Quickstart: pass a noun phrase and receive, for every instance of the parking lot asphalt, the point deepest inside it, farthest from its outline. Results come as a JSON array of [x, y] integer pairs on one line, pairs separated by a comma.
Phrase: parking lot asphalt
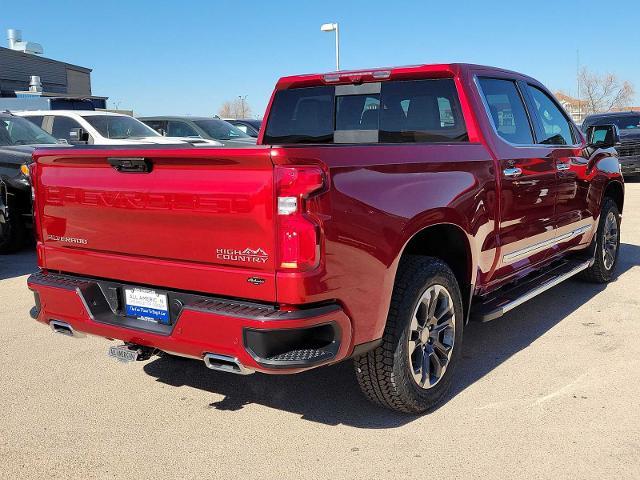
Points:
[[551, 390]]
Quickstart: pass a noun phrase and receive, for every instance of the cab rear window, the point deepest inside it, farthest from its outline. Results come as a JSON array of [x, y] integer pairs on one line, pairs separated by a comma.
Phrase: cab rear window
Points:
[[413, 111]]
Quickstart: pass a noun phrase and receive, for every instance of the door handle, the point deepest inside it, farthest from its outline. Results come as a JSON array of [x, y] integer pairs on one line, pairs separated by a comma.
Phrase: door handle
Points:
[[563, 166], [512, 172]]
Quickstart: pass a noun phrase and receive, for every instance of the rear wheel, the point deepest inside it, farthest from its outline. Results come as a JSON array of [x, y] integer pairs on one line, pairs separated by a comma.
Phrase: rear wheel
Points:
[[607, 244], [411, 371]]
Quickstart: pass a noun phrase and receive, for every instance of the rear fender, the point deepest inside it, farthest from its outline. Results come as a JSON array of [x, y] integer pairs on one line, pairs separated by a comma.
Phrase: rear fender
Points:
[[434, 218]]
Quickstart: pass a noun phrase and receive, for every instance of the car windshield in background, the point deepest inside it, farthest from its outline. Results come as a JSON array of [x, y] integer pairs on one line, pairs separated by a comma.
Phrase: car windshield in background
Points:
[[626, 122], [117, 127], [416, 111], [220, 130], [18, 131]]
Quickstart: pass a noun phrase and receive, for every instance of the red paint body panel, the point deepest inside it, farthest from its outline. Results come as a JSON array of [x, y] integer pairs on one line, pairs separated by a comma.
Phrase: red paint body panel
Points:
[[165, 228]]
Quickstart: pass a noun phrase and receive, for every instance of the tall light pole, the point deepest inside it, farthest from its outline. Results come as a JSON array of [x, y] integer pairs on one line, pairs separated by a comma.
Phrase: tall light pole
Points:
[[242, 100], [330, 27]]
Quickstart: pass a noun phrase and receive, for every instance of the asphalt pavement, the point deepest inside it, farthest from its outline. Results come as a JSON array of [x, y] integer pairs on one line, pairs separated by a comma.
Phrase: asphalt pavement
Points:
[[551, 390]]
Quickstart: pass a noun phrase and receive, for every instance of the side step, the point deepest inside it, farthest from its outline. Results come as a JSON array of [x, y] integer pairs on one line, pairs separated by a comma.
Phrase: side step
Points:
[[509, 297]]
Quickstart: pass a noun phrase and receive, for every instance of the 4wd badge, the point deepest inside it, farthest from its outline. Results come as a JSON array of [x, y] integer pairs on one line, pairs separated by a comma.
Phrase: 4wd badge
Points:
[[248, 255]]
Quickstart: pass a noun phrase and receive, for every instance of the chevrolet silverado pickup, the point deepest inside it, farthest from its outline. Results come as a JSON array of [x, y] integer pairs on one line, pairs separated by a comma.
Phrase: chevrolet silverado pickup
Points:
[[380, 211]]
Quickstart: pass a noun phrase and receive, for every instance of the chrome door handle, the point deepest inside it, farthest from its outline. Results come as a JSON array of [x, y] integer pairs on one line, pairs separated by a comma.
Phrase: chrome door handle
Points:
[[512, 172]]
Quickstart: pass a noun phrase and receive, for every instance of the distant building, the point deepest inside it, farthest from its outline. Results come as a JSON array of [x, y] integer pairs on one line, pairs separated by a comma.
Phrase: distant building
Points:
[[576, 108], [573, 106], [20, 64]]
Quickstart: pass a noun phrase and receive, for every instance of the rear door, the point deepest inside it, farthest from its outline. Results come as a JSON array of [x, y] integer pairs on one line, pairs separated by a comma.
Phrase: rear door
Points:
[[527, 178]]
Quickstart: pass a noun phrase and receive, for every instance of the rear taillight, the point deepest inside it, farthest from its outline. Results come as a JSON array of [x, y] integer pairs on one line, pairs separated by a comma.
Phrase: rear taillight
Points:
[[298, 230]]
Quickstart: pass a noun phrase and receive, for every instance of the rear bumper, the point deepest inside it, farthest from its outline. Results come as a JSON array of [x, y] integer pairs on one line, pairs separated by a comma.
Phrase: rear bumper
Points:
[[260, 336]]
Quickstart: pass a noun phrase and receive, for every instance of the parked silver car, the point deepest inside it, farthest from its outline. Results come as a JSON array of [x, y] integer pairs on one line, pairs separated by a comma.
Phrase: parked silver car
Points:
[[199, 127]]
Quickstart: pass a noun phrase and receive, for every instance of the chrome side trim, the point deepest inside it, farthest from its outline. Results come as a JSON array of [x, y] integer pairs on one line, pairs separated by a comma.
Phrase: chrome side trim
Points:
[[545, 244], [542, 288]]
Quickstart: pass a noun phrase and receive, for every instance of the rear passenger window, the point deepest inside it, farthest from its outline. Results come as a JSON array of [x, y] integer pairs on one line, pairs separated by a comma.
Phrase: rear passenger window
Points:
[[507, 110], [553, 126]]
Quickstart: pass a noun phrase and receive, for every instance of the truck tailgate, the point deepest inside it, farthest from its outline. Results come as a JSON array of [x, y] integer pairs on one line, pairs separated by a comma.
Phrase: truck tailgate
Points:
[[199, 220]]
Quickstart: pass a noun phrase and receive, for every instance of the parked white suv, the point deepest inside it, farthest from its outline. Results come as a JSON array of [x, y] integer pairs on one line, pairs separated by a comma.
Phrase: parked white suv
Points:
[[100, 128]]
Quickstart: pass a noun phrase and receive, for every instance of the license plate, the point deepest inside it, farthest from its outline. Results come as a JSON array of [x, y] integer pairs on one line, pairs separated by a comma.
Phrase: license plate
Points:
[[123, 353], [146, 305]]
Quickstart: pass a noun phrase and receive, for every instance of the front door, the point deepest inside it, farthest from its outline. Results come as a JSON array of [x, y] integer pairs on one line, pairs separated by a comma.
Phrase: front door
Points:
[[573, 223]]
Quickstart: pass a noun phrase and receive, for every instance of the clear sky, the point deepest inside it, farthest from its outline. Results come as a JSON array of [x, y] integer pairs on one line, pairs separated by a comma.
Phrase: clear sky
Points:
[[169, 57]]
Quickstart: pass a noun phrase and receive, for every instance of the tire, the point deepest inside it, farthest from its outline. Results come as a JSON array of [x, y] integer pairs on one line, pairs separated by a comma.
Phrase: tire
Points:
[[607, 245], [12, 235], [390, 374]]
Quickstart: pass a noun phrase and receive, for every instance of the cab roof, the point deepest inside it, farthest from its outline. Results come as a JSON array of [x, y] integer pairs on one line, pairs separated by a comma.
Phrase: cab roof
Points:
[[437, 70]]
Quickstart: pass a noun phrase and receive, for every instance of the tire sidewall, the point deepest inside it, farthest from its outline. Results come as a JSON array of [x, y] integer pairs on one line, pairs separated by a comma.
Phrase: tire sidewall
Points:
[[609, 207], [426, 398]]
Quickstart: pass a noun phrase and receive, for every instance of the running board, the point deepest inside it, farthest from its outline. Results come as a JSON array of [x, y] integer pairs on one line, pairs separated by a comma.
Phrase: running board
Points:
[[507, 298]]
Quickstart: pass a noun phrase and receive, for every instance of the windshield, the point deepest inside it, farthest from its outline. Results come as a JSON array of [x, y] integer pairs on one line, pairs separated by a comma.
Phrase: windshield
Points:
[[18, 131], [119, 127], [220, 130], [626, 122]]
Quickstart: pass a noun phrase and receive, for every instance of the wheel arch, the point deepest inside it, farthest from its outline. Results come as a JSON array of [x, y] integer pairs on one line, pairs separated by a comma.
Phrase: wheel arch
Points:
[[450, 243], [615, 191]]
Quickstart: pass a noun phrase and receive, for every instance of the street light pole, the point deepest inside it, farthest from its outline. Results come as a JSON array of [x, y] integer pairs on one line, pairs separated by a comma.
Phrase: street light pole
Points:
[[242, 100], [333, 27], [337, 48]]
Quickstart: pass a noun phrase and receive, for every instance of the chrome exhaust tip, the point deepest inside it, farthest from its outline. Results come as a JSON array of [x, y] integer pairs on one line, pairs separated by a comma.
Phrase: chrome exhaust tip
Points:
[[64, 328], [225, 363]]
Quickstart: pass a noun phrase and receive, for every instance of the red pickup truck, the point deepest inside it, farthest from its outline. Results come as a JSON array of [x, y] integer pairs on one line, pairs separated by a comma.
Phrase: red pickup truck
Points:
[[379, 212]]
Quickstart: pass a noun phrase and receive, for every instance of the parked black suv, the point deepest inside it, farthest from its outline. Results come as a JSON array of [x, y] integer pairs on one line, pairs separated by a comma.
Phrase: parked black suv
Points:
[[18, 138], [628, 124]]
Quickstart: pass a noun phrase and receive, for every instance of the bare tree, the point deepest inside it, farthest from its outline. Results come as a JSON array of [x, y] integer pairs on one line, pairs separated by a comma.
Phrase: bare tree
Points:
[[603, 93], [236, 108]]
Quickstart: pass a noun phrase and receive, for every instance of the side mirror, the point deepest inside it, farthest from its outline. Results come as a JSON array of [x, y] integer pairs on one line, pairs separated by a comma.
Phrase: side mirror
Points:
[[78, 135], [603, 136]]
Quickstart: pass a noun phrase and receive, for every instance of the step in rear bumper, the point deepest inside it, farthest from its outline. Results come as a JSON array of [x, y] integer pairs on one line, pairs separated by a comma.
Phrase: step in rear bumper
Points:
[[261, 336]]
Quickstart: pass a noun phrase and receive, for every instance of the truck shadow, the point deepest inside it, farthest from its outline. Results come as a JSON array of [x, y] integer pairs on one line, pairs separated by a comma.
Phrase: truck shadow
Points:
[[18, 264], [331, 395]]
